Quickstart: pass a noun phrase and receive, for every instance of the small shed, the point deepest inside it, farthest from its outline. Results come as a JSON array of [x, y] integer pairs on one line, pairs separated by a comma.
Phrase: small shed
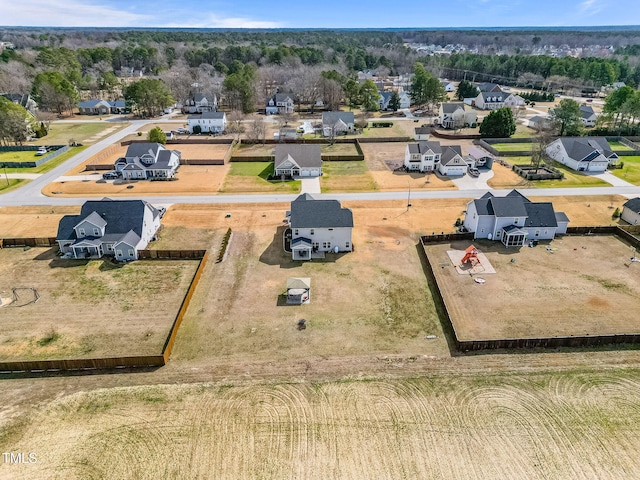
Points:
[[298, 290]]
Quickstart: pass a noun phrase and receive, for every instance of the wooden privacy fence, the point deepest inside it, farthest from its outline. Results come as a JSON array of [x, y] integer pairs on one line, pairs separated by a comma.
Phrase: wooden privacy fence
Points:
[[135, 361], [446, 237], [28, 242], [171, 254]]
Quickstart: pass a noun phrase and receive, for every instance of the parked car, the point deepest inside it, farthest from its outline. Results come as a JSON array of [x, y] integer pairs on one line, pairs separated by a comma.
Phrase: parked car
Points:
[[162, 211], [183, 130], [110, 175], [474, 172], [41, 151]]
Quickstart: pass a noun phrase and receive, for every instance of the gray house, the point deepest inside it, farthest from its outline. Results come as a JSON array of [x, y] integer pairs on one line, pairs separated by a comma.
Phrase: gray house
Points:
[[280, 103], [513, 219], [148, 160], [200, 103], [117, 228], [631, 211], [294, 160], [94, 107], [337, 123], [319, 226]]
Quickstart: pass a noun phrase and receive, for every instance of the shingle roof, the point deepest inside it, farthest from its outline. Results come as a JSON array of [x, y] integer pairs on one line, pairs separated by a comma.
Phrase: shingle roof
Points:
[[282, 97], [493, 97], [209, 116], [92, 103], [307, 212], [540, 214], [130, 238], [586, 111], [508, 207], [633, 204], [422, 130], [425, 147], [304, 155], [561, 217], [452, 107], [450, 153], [582, 148], [139, 149], [94, 219], [331, 118]]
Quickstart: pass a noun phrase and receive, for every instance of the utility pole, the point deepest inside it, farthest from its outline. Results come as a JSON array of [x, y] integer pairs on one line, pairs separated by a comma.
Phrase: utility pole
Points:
[[4, 165], [409, 196]]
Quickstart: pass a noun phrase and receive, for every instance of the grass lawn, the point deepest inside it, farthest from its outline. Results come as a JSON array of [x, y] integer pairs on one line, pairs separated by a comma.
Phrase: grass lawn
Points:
[[340, 149], [571, 179], [251, 177], [346, 177], [518, 160], [61, 133], [13, 182], [631, 170], [45, 167], [254, 150], [619, 146], [514, 147]]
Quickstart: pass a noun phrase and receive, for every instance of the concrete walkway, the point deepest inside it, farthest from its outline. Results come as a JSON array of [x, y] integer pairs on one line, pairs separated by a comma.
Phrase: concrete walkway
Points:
[[28, 176], [310, 184], [611, 178]]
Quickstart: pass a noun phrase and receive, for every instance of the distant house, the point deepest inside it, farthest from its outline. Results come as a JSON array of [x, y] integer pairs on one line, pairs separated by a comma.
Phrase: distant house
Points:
[[448, 86], [147, 161], [294, 160], [455, 115], [589, 117], [94, 107], [23, 100], [385, 98], [631, 211], [490, 100], [280, 103], [319, 226], [514, 219], [431, 156], [200, 103], [618, 85], [489, 87], [583, 154], [118, 106], [421, 134], [337, 123], [209, 122], [117, 228], [539, 122], [129, 72]]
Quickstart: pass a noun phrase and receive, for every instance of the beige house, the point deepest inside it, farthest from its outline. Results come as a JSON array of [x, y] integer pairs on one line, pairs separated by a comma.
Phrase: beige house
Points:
[[455, 115]]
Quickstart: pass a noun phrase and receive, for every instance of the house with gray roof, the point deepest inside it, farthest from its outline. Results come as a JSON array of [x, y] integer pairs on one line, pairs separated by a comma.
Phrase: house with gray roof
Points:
[[513, 219], [117, 228], [337, 123], [631, 211], [583, 154], [94, 107], [456, 115], [319, 226], [294, 160], [488, 87], [280, 103], [209, 122], [385, 98], [144, 161], [588, 116], [495, 100], [200, 103], [430, 156], [23, 100]]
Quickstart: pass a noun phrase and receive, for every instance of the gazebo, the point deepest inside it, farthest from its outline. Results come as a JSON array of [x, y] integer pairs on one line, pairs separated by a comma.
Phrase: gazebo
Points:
[[298, 290]]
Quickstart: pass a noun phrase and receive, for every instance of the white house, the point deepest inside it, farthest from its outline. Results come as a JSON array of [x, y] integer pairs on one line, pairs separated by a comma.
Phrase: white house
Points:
[[431, 156], [514, 219], [337, 123], [455, 115], [319, 226], [448, 86], [385, 98], [631, 211], [589, 117], [200, 103], [583, 154], [117, 228], [209, 122], [148, 160], [294, 160], [452, 162], [422, 134], [492, 100], [280, 103]]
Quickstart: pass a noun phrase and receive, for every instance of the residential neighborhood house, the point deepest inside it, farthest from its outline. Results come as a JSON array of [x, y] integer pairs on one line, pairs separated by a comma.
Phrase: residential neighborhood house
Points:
[[583, 154], [118, 228], [421, 133], [455, 115], [385, 97], [148, 161], [495, 100], [319, 226], [589, 117], [292, 160], [513, 220], [631, 211], [431, 156], [280, 103], [101, 107], [200, 103], [448, 86], [337, 123], [24, 100], [209, 122]]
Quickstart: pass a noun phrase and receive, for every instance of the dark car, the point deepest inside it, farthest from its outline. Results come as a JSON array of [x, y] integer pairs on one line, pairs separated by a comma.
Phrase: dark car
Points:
[[110, 175]]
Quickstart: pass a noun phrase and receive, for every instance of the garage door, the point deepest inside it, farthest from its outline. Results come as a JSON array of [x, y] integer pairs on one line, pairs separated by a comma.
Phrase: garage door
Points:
[[304, 173], [314, 172]]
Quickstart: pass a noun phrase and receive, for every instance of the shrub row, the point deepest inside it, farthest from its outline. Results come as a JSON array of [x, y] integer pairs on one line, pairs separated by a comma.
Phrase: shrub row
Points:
[[381, 124], [225, 244]]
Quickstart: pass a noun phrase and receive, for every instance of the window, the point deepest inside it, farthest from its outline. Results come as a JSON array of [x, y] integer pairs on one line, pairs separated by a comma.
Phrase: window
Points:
[[515, 220], [118, 253], [109, 247], [96, 232], [326, 244], [295, 232], [131, 253], [81, 232], [346, 245], [311, 232], [331, 229]]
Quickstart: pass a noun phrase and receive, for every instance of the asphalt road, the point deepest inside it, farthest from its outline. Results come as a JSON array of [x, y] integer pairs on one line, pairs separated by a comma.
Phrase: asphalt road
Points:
[[30, 194]]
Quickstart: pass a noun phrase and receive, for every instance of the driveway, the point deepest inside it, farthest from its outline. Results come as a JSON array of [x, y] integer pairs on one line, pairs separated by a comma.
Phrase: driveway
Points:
[[611, 178], [310, 184], [467, 182]]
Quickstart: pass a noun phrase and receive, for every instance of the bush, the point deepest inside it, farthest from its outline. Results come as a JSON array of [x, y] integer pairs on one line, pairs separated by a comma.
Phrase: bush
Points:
[[381, 124], [225, 244], [616, 213], [197, 129], [458, 222]]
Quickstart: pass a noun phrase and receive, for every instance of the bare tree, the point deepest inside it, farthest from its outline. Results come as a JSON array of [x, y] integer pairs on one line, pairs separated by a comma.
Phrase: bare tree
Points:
[[235, 119], [331, 94], [258, 130]]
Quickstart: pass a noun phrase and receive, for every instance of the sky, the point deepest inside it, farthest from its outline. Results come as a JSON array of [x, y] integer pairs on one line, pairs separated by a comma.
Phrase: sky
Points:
[[318, 14]]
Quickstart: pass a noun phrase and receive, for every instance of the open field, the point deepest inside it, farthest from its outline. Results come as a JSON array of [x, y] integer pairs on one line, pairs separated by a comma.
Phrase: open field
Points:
[[191, 180], [350, 176], [10, 183], [87, 308], [61, 133], [572, 424], [45, 167], [545, 291], [631, 170], [251, 177], [380, 156], [619, 146], [400, 128]]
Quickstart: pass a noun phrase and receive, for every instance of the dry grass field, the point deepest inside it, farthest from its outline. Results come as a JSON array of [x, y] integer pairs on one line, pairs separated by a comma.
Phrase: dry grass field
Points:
[[574, 424], [87, 308], [575, 285], [191, 180]]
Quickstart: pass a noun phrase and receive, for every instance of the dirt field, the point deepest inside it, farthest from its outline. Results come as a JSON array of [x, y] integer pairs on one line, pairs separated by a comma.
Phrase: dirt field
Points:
[[570, 286], [192, 180], [380, 156], [87, 309], [575, 425]]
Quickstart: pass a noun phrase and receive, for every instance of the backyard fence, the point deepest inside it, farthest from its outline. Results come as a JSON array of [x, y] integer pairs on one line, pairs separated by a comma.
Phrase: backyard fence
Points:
[[59, 150], [171, 254], [28, 242]]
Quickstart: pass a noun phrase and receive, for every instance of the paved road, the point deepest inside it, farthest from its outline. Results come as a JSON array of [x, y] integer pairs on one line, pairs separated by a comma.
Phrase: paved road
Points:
[[30, 194]]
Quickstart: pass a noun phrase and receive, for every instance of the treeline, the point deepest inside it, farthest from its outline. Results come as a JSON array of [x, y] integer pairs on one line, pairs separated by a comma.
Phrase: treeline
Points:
[[595, 71]]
